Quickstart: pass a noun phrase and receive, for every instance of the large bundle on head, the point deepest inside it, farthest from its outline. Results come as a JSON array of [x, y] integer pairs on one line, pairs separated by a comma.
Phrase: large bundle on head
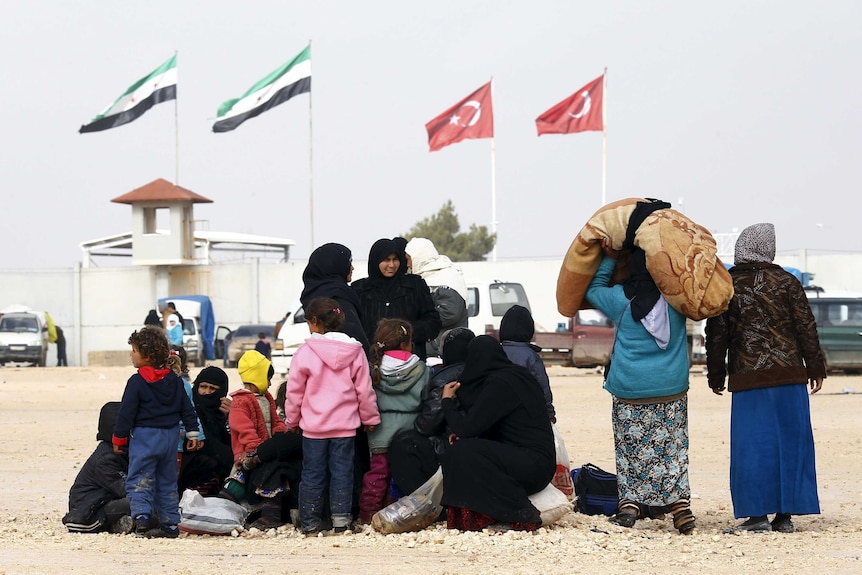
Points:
[[680, 257]]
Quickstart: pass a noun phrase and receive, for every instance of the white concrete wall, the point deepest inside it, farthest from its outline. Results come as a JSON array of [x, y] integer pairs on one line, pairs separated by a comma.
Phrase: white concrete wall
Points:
[[99, 307]]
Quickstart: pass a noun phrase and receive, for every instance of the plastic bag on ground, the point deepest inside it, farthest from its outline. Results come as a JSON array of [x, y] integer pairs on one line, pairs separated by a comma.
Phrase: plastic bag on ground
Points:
[[563, 476], [412, 512], [209, 515], [551, 503]]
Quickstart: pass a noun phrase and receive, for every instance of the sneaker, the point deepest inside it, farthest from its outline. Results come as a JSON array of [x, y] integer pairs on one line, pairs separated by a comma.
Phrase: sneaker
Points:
[[783, 524], [166, 531], [123, 526], [142, 525], [344, 529]]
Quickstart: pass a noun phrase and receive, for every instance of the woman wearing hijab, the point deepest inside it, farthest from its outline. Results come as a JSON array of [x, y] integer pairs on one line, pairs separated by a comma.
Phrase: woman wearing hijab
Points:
[[328, 274], [205, 470], [390, 292], [648, 379], [769, 337], [504, 446]]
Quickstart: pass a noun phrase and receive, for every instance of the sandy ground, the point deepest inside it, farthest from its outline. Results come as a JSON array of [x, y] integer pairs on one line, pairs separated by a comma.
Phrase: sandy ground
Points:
[[48, 421]]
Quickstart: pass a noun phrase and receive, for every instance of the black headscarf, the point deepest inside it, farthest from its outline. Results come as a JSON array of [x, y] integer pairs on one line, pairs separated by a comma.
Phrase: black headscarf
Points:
[[326, 274], [207, 406], [640, 287], [153, 318], [454, 344], [380, 250], [485, 357], [517, 325], [401, 243]]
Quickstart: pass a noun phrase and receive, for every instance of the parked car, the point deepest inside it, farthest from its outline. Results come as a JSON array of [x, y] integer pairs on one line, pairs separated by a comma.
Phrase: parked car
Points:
[[489, 300], [233, 343], [839, 327], [23, 338]]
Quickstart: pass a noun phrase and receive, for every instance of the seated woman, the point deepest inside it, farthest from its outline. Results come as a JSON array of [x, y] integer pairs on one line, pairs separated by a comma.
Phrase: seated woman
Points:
[[97, 499], [206, 469], [504, 449]]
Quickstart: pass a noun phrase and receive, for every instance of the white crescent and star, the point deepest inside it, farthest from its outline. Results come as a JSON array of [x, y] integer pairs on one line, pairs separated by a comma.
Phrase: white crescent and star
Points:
[[586, 109], [456, 119]]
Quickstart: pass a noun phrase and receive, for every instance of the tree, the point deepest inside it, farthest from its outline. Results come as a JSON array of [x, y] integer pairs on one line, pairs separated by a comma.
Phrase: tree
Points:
[[444, 232]]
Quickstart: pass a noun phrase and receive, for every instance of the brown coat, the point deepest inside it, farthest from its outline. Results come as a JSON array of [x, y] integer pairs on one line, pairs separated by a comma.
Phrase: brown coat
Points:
[[768, 332]]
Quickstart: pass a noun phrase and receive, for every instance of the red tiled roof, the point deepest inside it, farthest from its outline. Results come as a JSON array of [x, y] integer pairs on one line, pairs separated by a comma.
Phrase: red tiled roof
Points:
[[161, 190]]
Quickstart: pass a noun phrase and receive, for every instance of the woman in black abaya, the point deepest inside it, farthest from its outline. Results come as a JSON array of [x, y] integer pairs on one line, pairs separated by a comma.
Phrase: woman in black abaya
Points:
[[504, 450]]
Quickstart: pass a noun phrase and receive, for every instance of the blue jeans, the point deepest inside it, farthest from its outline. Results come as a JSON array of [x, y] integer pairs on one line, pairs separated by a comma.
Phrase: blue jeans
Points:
[[151, 484], [322, 457]]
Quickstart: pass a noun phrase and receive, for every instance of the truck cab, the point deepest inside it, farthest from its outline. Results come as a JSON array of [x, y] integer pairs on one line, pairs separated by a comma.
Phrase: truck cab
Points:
[[23, 338], [489, 300]]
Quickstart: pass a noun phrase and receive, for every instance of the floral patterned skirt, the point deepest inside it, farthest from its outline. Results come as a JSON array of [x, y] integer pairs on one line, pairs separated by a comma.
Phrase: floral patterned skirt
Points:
[[651, 443]]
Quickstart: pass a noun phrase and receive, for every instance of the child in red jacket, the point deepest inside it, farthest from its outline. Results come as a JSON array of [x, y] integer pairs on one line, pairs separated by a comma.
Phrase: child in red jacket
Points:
[[267, 459]]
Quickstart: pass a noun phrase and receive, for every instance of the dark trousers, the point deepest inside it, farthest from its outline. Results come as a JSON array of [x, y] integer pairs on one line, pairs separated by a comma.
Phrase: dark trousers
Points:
[[322, 458]]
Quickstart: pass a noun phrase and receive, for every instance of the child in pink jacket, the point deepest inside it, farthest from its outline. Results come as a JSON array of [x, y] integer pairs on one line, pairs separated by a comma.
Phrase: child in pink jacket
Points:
[[329, 396]]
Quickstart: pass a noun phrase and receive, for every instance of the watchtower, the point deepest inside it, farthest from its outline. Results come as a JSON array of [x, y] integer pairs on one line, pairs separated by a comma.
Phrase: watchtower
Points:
[[162, 223]]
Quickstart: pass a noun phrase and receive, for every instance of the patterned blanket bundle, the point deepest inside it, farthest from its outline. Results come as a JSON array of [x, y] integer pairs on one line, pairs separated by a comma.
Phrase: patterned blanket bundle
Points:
[[680, 257]]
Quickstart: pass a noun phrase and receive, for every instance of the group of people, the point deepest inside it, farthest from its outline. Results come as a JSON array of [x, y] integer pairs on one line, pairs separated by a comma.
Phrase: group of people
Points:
[[366, 419]]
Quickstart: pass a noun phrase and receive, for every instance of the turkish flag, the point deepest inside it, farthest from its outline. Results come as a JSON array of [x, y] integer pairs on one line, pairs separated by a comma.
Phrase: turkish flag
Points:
[[580, 112], [470, 119]]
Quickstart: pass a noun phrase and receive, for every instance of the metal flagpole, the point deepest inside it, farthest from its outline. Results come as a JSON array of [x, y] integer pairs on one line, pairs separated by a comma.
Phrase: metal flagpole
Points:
[[310, 160], [177, 128], [493, 189], [493, 201], [604, 137]]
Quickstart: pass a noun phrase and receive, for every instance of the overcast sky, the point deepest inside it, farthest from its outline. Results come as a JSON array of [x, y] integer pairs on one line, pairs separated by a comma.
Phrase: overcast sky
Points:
[[736, 112]]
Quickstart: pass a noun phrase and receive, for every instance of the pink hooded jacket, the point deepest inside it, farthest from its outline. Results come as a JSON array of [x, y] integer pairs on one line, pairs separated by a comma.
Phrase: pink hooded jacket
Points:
[[329, 391]]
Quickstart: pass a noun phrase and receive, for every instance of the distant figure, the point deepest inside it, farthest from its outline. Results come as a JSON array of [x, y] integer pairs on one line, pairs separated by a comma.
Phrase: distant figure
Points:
[[172, 309], [263, 347], [153, 318], [174, 330], [61, 347]]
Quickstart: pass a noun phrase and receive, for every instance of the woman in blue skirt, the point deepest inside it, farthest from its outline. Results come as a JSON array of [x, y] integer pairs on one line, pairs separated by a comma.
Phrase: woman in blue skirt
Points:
[[769, 338]]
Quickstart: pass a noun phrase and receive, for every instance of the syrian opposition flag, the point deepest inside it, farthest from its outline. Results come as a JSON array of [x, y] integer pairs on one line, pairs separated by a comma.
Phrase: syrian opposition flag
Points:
[[470, 119], [580, 112], [289, 80], [158, 86]]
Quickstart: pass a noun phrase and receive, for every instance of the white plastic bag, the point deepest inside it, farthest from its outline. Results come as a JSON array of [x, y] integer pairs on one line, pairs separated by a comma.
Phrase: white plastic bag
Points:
[[563, 476], [551, 503], [412, 512], [209, 515]]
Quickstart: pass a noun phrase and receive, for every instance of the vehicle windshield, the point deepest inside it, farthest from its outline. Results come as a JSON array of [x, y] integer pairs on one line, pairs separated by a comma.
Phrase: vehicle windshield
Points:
[[252, 331], [19, 324], [505, 295]]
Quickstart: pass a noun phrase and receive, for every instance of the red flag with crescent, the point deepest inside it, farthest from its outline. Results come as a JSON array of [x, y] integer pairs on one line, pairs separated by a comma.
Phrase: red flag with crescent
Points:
[[470, 119], [580, 112]]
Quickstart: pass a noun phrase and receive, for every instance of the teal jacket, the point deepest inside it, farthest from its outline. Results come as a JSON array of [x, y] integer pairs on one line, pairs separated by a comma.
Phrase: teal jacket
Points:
[[399, 400], [640, 369]]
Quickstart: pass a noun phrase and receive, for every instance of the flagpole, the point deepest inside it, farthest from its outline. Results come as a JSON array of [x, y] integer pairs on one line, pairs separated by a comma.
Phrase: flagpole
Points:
[[604, 137], [310, 161], [493, 188], [177, 133], [493, 200]]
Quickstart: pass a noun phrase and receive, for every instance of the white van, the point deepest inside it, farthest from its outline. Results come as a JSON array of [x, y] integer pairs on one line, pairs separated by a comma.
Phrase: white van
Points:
[[489, 300], [24, 338]]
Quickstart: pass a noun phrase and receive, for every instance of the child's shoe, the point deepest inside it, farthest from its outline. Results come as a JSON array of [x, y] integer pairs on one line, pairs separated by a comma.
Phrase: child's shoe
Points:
[[142, 525], [167, 531]]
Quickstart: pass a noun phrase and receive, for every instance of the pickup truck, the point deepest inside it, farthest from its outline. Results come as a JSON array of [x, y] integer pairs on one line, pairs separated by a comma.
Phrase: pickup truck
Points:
[[587, 341]]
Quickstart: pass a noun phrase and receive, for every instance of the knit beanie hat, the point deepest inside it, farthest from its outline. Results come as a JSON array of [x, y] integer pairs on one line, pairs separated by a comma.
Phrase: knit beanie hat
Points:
[[254, 368], [107, 420]]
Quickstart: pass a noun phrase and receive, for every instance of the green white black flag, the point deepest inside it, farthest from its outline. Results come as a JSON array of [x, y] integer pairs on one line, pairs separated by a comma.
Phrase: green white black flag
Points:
[[291, 79]]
